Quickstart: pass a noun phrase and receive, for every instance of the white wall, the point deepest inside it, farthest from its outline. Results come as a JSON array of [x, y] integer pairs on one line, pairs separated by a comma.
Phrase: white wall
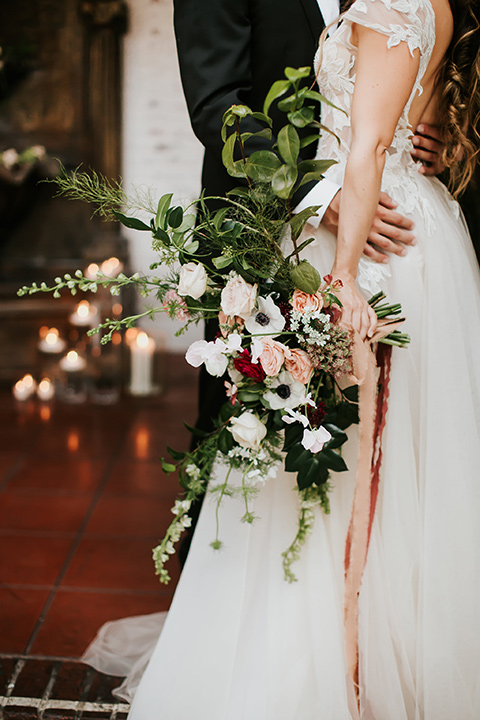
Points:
[[160, 150]]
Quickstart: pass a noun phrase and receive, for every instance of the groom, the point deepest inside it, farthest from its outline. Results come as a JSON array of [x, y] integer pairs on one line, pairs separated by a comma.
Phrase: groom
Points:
[[231, 52]]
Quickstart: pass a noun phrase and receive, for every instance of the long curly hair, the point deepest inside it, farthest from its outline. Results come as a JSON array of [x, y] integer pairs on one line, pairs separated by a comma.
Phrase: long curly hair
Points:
[[458, 86]]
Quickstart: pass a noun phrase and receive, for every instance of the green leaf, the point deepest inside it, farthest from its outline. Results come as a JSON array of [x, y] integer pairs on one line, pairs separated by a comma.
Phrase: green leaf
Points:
[[163, 206], [174, 217], [296, 457], [239, 192], [266, 133], [333, 460], [315, 166], [283, 181], [339, 437], [293, 435], [298, 221], [235, 169], [160, 234], [294, 74], [167, 467], [314, 95], [247, 396], [351, 393], [221, 262], [278, 89], [312, 473], [289, 144], [292, 102], [130, 222], [219, 217], [196, 431], [225, 441], [263, 118], [304, 142], [176, 455], [191, 247], [227, 411], [241, 111], [303, 117], [316, 174], [343, 415], [262, 165]]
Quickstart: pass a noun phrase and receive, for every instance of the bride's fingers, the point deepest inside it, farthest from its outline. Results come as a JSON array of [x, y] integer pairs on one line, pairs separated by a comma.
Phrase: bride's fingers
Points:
[[372, 321]]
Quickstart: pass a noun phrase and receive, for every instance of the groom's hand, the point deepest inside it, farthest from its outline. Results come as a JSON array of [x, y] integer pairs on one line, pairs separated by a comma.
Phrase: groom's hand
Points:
[[428, 148], [390, 231]]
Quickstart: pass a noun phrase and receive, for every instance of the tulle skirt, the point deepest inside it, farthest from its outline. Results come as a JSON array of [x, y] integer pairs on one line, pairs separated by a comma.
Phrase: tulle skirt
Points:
[[240, 643]]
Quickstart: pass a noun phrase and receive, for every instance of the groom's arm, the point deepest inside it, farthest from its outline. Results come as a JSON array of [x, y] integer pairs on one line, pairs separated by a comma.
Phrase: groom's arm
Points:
[[214, 49]]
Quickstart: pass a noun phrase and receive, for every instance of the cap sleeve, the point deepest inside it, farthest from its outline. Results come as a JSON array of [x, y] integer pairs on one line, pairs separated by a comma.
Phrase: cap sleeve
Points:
[[400, 20]]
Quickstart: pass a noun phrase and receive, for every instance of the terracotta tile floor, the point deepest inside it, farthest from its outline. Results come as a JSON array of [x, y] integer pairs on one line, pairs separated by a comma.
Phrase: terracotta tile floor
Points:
[[82, 502]]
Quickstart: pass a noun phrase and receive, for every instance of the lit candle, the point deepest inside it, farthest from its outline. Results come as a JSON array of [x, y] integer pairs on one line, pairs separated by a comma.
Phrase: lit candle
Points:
[[141, 373], [51, 342], [91, 271], [45, 390], [84, 314], [111, 267], [20, 391], [29, 383], [73, 362]]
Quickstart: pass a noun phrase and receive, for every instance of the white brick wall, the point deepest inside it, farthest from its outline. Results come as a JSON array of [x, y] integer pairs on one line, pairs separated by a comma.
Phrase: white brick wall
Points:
[[160, 150]]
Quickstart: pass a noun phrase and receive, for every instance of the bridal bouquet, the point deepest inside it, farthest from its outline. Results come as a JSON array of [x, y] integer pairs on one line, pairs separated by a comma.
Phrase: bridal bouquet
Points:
[[281, 343]]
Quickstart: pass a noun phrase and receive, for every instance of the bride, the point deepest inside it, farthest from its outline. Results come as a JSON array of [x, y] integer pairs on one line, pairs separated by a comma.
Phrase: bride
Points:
[[239, 643]]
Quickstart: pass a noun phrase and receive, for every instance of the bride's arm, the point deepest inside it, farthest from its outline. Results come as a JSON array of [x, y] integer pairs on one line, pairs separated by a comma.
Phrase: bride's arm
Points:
[[384, 80]]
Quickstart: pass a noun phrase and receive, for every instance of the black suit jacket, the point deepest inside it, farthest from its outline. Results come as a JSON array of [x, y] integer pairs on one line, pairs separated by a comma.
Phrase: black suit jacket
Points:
[[230, 52]]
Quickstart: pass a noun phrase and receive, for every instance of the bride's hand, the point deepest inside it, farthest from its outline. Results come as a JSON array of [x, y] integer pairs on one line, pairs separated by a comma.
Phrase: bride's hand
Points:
[[356, 312]]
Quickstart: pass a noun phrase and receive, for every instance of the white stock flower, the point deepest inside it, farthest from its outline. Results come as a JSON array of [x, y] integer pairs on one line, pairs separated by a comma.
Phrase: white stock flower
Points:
[[238, 297], [193, 280], [285, 392], [248, 430], [292, 416], [314, 440], [266, 319]]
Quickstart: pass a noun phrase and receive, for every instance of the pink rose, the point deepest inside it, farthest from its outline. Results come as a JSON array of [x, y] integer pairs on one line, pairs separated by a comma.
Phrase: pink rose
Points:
[[299, 365], [238, 297], [228, 323], [272, 356], [302, 301]]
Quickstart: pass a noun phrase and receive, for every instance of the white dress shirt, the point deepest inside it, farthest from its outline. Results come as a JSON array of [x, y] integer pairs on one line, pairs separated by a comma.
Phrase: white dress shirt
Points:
[[325, 190]]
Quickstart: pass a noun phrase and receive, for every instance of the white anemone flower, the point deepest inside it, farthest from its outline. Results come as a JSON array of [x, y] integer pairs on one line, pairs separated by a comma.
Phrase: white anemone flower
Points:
[[266, 318], [285, 392]]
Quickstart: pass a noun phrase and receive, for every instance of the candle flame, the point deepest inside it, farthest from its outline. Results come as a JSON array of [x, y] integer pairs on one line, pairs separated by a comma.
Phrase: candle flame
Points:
[[91, 271], [83, 309], [28, 381], [44, 385], [130, 335], [51, 337], [116, 338], [43, 332], [72, 356], [73, 441], [142, 339], [20, 386], [117, 309]]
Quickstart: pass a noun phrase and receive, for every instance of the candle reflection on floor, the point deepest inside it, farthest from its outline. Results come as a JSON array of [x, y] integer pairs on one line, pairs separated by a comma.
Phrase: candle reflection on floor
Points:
[[142, 443]]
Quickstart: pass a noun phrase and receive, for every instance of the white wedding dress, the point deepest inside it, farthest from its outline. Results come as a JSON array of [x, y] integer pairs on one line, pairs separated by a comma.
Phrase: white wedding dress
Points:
[[239, 642]]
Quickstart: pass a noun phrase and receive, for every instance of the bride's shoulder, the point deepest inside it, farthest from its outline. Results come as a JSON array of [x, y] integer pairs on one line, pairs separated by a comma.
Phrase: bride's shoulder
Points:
[[412, 21]]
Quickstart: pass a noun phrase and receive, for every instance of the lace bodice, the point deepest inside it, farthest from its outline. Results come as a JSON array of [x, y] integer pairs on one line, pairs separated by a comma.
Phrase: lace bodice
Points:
[[409, 21]]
